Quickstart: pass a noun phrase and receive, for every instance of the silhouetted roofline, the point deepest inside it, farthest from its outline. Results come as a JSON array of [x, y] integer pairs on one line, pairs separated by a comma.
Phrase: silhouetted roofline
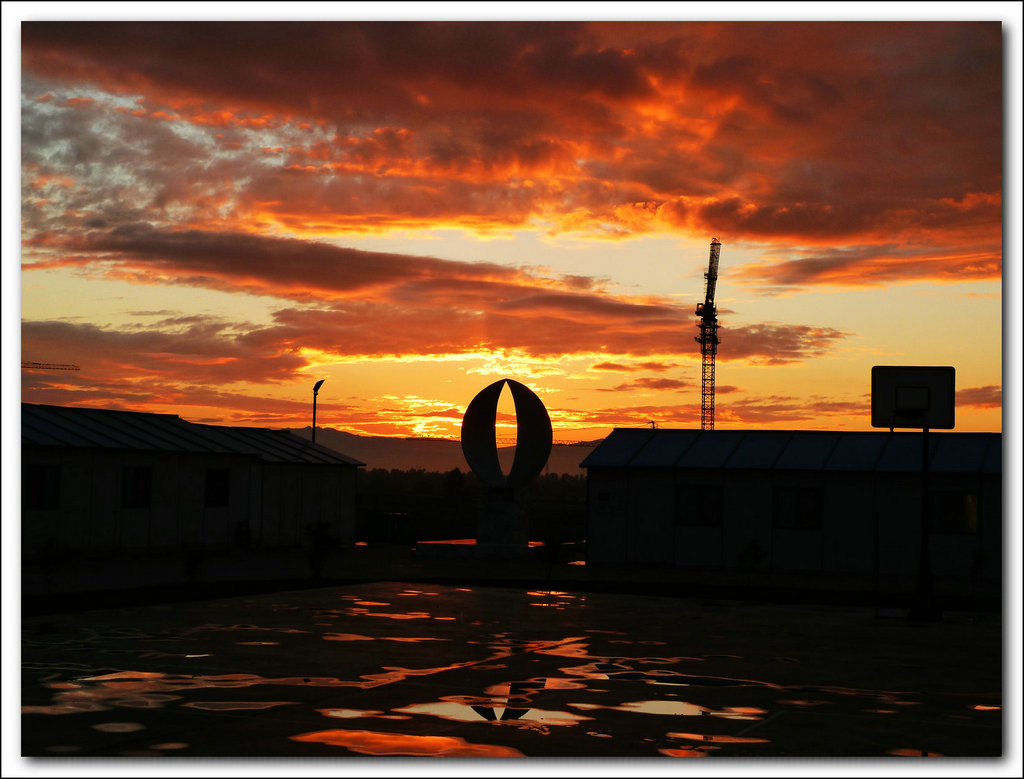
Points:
[[92, 428], [798, 450]]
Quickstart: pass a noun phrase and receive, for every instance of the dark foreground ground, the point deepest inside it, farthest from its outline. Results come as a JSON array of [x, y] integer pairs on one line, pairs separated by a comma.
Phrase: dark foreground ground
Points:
[[418, 669]]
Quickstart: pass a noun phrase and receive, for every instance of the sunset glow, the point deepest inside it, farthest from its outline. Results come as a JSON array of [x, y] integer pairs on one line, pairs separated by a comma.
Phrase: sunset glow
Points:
[[214, 216]]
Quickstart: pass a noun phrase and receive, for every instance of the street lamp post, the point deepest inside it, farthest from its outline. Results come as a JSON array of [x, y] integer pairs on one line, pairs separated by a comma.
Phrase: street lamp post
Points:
[[316, 388]]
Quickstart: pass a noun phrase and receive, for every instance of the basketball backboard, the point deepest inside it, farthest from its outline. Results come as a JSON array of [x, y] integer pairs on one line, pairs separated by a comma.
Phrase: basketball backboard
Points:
[[913, 396]]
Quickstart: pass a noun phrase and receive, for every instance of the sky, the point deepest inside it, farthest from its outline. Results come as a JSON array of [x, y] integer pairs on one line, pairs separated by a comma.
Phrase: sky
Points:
[[214, 216]]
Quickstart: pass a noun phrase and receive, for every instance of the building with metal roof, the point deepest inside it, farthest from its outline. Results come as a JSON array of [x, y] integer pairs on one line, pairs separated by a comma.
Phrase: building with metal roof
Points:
[[101, 481], [808, 502]]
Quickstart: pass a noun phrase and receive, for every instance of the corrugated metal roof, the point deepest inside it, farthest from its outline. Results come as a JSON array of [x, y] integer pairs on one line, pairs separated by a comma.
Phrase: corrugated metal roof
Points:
[[89, 428], [759, 452], [966, 456], [993, 457], [807, 451], [797, 450], [903, 452], [628, 441], [857, 452], [711, 451], [667, 446]]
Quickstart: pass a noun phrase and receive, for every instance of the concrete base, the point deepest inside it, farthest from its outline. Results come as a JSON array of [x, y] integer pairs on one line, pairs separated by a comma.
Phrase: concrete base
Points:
[[503, 521]]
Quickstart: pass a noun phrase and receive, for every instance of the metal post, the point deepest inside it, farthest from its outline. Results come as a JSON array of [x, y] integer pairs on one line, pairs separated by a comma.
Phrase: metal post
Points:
[[925, 607]]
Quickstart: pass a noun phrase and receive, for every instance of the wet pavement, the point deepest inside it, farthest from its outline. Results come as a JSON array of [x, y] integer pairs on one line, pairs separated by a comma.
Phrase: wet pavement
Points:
[[393, 669]]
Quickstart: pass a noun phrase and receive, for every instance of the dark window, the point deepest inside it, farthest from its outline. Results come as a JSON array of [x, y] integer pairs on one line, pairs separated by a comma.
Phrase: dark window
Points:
[[699, 505], [136, 486], [955, 512], [40, 486], [218, 484], [798, 508]]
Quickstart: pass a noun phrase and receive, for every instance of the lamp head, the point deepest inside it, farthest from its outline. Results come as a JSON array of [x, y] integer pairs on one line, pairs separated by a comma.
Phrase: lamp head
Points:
[[316, 387]]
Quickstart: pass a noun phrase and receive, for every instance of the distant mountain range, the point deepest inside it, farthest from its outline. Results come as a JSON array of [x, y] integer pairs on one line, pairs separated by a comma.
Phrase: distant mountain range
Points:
[[432, 454]]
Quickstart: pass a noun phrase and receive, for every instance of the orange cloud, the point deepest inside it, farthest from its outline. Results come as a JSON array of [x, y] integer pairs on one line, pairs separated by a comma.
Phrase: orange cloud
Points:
[[182, 153], [989, 396]]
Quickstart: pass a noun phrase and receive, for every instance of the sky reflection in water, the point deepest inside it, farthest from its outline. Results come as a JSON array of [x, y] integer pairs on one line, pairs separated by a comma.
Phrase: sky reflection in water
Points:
[[580, 683]]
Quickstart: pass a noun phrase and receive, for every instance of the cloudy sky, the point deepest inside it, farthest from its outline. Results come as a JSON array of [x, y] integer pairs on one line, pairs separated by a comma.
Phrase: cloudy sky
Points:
[[216, 215]]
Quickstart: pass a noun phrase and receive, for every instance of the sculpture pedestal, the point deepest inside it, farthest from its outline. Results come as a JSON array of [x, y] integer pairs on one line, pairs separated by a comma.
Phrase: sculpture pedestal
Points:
[[503, 527]]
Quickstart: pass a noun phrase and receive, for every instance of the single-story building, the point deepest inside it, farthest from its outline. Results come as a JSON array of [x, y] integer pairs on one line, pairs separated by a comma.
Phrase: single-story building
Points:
[[796, 502], [97, 480]]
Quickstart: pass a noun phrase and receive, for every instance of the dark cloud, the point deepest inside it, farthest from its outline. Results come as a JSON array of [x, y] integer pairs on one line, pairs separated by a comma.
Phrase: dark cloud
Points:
[[649, 383], [780, 132], [864, 266], [777, 344], [631, 367], [375, 303]]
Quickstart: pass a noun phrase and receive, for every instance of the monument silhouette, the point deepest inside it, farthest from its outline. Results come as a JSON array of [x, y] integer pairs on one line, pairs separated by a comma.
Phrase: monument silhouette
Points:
[[503, 527]]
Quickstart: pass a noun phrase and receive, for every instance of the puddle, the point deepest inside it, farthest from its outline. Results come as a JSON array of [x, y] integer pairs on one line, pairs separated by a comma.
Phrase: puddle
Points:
[[722, 739], [679, 709], [236, 705], [367, 742], [346, 637], [360, 714], [216, 627], [149, 690], [592, 665], [399, 615], [458, 712], [358, 637], [685, 752], [119, 727]]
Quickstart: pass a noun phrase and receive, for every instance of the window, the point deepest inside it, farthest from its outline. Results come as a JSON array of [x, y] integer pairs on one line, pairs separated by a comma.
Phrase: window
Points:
[[699, 505], [797, 508], [954, 512], [40, 486], [218, 487], [136, 486]]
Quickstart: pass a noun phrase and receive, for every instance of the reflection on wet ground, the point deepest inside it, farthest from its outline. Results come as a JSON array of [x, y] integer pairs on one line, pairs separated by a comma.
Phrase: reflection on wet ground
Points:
[[365, 742], [481, 672]]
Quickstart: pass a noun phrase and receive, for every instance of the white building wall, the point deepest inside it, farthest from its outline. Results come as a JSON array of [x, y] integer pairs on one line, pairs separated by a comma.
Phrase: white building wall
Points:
[[277, 502], [868, 521], [650, 528], [608, 501], [849, 523]]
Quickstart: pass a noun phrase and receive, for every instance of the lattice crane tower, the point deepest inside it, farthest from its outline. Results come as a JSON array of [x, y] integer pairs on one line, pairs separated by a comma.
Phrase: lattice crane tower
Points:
[[708, 339]]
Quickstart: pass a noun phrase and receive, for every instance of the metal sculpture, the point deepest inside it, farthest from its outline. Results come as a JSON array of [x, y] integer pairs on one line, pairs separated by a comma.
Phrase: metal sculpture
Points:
[[502, 531], [533, 437]]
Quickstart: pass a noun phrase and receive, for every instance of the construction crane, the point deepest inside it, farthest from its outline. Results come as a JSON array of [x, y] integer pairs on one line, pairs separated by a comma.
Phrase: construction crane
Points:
[[708, 339], [49, 366]]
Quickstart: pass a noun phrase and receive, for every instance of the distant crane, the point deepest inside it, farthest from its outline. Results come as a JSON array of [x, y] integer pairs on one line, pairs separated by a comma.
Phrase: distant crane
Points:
[[708, 339], [49, 366]]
